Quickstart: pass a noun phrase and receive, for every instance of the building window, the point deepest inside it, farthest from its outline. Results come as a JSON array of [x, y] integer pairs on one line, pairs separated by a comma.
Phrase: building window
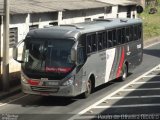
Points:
[[13, 36], [101, 17], [87, 19], [129, 9], [53, 23], [32, 27], [108, 9]]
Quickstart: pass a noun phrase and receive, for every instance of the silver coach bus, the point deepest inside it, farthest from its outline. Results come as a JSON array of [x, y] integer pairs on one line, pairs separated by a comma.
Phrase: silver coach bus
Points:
[[69, 60]]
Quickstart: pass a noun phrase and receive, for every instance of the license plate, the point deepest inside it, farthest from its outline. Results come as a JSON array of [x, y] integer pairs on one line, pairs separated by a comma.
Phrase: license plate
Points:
[[50, 83]]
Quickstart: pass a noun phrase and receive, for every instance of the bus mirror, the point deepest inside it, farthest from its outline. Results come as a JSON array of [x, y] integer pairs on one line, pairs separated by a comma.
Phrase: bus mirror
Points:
[[139, 9], [73, 55], [15, 52]]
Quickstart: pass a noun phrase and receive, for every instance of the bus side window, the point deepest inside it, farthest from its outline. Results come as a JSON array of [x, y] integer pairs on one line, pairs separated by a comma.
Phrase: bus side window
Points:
[[131, 33], [139, 31], [114, 38], [105, 40], [80, 55], [100, 41], [135, 32], [94, 42], [89, 43], [119, 36], [123, 35], [127, 35], [110, 42]]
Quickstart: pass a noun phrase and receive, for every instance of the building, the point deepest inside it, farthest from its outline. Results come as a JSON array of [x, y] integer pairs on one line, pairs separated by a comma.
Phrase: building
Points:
[[26, 15]]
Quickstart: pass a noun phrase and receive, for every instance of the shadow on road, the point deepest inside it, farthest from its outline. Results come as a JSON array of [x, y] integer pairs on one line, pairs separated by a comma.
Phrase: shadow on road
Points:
[[152, 52]]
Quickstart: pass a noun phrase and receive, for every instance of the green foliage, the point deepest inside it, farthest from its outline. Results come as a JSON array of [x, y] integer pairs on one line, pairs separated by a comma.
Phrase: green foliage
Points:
[[151, 22]]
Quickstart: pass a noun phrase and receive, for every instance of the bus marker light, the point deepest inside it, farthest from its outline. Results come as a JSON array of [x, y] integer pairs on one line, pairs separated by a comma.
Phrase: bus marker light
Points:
[[33, 82]]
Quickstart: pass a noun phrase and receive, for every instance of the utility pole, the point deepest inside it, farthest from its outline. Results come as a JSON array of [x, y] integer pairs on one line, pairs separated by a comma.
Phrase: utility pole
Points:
[[5, 70]]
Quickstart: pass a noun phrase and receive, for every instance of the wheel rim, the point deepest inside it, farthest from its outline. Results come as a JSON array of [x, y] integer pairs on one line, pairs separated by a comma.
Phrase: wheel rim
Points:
[[124, 73], [89, 87]]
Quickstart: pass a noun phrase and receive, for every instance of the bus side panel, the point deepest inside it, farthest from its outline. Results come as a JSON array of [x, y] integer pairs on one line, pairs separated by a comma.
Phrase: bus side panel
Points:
[[94, 65], [80, 75], [118, 56], [134, 54], [110, 58]]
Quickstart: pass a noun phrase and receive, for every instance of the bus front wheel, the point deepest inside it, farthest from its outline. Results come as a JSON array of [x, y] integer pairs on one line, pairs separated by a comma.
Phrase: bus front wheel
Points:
[[88, 89]]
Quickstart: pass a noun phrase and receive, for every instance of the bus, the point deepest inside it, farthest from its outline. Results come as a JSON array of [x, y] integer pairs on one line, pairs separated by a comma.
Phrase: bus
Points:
[[69, 60]]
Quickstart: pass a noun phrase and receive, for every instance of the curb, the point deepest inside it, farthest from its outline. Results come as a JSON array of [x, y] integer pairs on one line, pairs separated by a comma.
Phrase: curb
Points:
[[11, 92], [151, 41]]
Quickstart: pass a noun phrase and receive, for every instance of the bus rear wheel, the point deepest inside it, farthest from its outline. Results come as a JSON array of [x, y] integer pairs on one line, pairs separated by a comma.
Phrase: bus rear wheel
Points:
[[124, 72]]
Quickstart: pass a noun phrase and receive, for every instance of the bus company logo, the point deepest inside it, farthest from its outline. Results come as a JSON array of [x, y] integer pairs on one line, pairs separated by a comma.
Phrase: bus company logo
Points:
[[40, 83]]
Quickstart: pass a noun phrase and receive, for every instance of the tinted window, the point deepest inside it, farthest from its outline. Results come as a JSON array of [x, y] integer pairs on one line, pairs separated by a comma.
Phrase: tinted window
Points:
[[100, 40], [105, 40], [114, 37], [110, 42], [131, 33], [123, 35], [136, 32], [91, 43], [127, 34], [119, 36], [94, 43], [139, 31]]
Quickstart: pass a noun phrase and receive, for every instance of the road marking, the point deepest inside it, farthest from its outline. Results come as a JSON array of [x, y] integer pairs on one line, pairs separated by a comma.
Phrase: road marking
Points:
[[88, 117], [127, 106], [132, 97], [158, 69], [147, 82], [13, 100], [149, 76], [152, 44], [152, 76], [141, 89], [109, 96]]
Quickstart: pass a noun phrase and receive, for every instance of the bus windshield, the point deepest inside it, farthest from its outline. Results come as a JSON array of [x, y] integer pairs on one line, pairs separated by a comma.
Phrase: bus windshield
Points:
[[47, 58]]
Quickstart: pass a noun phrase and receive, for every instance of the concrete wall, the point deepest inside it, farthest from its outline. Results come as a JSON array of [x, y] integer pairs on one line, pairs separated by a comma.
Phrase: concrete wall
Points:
[[112, 13], [77, 16]]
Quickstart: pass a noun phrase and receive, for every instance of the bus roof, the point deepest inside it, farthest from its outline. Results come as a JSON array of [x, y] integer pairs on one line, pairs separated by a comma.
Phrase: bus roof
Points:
[[74, 30]]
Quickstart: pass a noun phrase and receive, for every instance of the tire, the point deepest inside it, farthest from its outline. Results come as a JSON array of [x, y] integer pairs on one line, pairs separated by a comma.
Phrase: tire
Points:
[[124, 72], [88, 89]]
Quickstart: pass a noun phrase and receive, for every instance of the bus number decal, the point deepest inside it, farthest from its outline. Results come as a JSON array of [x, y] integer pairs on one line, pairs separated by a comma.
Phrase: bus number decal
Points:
[[139, 46]]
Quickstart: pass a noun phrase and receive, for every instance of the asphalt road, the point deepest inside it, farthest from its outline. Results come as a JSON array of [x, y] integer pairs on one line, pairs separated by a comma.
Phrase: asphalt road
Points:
[[137, 97]]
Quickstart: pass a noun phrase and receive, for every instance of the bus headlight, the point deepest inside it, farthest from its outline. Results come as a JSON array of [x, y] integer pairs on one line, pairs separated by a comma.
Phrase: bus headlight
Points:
[[68, 82], [23, 79]]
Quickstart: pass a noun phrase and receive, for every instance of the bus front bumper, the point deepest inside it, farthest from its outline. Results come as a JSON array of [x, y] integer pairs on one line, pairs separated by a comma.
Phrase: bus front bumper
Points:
[[63, 91]]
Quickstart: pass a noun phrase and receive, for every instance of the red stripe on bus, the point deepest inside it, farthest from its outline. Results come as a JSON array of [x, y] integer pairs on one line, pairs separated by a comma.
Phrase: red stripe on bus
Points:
[[120, 64]]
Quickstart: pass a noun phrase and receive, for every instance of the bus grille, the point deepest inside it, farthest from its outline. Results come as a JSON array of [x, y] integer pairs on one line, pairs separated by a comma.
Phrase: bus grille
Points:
[[44, 89]]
